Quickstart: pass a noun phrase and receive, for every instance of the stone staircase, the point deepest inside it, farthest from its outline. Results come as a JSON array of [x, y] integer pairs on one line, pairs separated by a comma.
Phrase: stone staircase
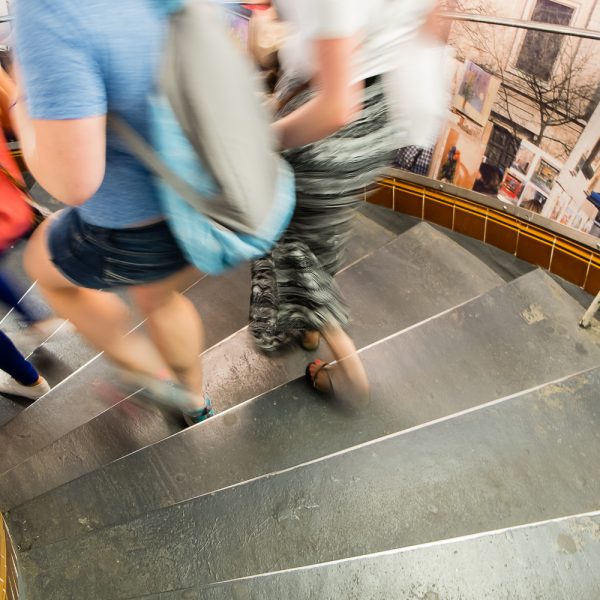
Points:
[[471, 473]]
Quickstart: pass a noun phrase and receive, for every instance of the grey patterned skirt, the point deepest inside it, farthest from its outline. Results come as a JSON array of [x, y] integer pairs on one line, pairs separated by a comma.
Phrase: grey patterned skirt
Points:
[[293, 289]]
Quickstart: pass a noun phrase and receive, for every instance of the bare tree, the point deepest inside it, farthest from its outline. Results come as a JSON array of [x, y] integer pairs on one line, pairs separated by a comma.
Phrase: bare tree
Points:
[[553, 74]]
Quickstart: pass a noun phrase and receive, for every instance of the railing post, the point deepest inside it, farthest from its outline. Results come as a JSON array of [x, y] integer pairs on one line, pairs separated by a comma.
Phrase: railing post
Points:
[[590, 313]]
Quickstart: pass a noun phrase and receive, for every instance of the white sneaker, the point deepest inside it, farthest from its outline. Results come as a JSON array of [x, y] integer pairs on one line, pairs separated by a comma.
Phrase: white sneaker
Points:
[[11, 386]]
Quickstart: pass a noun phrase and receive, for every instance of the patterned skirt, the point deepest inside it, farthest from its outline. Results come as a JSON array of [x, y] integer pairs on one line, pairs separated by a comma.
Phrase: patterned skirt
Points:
[[293, 288]]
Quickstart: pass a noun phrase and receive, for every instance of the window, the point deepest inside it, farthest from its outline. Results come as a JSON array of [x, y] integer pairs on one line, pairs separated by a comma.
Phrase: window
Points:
[[502, 147], [592, 162], [540, 49], [593, 103]]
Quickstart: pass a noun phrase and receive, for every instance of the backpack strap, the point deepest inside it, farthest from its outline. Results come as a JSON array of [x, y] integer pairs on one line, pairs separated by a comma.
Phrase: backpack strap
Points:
[[169, 6], [144, 152]]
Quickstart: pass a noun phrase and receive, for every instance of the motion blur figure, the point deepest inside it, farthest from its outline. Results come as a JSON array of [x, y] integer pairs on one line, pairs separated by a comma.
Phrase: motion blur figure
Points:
[[20, 378], [75, 65], [335, 128]]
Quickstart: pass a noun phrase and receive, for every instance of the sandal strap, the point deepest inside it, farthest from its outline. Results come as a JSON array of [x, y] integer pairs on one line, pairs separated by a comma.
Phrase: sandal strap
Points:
[[320, 367]]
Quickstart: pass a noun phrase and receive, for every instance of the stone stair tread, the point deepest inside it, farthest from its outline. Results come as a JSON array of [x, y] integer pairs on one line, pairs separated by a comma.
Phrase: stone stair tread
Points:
[[525, 459], [415, 382], [556, 559], [223, 304], [437, 274]]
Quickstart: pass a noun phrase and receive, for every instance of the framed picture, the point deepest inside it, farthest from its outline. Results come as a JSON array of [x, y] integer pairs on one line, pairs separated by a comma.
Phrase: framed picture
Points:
[[239, 25], [476, 93], [524, 160], [533, 199], [511, 188], [544, 175]]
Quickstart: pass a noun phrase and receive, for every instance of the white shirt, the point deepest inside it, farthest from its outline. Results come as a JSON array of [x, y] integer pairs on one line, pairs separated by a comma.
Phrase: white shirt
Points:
[[383, 26]]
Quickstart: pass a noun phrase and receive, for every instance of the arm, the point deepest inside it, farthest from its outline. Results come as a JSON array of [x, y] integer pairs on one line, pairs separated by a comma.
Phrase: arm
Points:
[[336, 103], [67, 157], [60, 113]]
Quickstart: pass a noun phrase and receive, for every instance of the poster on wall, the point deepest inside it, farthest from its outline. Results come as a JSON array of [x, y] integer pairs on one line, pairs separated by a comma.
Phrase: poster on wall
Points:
[[533, 199], [460, 157], [477, 90], [511, 188], [544, 175], [530, 179], [524, 160]]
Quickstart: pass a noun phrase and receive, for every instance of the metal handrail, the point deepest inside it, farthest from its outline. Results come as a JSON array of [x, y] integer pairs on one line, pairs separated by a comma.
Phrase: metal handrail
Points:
[[590, 313], [520, 24], [484, 19]]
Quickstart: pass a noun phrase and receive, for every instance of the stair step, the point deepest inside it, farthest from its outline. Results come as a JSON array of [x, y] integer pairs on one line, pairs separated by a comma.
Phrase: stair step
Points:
[[475, 354], [370, 234], [60, 355], [12, 264], [418, 275], [223, 304], [224, 300], [556, 559], [507, 265], [394, 221], [525, 459], [436, 274]]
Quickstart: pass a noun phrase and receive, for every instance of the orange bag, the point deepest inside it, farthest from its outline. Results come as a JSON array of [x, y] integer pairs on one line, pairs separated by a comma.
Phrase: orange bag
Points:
[[16, 214]]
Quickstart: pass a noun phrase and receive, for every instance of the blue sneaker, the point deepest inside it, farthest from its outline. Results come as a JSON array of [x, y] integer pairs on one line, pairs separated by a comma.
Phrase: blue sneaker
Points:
[[201, 415]]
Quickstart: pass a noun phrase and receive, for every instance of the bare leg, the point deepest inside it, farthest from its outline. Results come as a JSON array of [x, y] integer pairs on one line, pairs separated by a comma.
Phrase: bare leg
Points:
[[175, 328], [104, 320], [350, 373]]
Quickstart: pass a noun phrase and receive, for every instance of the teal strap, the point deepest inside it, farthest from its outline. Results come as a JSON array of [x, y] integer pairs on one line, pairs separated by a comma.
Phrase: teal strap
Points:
[[169, 6]]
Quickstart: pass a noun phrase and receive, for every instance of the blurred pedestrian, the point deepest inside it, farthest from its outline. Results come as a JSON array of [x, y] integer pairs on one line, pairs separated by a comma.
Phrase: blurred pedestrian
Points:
[[17, 218], [74, 70], [336, 132]]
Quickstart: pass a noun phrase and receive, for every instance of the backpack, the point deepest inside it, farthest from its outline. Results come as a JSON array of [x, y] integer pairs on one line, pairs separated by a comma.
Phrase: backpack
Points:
[[226, 193]]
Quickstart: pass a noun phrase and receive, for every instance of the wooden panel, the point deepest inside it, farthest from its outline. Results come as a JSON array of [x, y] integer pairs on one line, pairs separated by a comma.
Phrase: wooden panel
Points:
[[533, 250], [529, 242], [3, 561], [503, 235], [470, 224], [438, 212], [382, 196], [409, 203], [570, 266], [592, 285]]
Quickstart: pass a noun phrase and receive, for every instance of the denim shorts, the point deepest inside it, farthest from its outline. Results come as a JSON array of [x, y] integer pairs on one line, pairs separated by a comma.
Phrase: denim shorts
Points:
[[99, 258]]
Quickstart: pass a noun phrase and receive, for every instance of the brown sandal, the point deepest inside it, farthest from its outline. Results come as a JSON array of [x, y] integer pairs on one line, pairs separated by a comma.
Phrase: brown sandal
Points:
[[310, 346], [311, 378]]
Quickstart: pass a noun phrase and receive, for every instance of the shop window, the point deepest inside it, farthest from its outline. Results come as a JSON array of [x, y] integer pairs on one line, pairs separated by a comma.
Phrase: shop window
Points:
[[540, 49]]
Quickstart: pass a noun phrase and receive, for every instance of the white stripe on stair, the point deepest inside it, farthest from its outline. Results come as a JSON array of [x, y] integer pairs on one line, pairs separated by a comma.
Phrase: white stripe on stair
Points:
[[397, 551]]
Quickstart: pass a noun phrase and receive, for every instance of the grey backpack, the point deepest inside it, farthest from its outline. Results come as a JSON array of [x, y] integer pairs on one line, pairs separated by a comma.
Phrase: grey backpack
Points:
[[226, 192]]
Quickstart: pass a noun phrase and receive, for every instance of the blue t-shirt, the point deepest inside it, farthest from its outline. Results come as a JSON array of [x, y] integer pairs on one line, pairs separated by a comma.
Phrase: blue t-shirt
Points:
[[85, 58]]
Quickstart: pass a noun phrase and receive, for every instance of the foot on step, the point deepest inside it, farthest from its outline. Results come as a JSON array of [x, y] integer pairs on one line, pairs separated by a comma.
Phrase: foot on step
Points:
[[11, 386], [199, 415]]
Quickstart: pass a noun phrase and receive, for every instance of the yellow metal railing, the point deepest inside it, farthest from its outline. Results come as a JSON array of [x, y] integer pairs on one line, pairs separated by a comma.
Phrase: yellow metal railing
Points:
[[548, 247]]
